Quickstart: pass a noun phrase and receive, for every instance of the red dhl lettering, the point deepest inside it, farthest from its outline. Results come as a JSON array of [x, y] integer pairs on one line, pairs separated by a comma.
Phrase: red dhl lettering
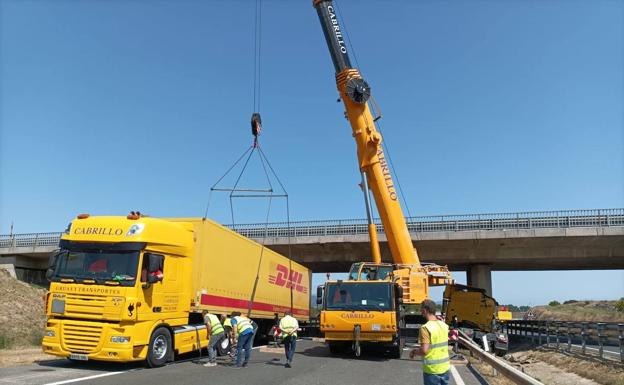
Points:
[[288, 278]]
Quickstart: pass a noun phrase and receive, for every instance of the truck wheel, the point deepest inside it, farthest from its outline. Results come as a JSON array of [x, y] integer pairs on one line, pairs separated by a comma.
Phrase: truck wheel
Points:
[[397, 351], [223, 347], [160, 348]]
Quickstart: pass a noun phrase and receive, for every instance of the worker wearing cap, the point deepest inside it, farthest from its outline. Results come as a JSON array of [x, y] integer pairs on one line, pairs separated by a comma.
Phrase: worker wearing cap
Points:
[[216, 334], [289, 326], [243, 331], [433, 340]]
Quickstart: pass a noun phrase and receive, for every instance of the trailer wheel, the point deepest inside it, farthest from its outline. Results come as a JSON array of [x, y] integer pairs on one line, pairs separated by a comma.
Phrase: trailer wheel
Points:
[[224, 347], [160, 348]]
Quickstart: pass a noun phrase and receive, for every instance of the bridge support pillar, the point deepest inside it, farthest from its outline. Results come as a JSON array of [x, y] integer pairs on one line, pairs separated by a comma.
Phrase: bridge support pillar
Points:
[[480, 276]]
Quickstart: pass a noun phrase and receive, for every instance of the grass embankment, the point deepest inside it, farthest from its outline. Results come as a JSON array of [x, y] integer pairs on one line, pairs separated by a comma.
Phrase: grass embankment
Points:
[[577, 311], [22, 316]]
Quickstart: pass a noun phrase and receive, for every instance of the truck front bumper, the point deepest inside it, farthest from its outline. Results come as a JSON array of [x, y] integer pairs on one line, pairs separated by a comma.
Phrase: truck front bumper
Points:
[[90, 340], [364, 336]]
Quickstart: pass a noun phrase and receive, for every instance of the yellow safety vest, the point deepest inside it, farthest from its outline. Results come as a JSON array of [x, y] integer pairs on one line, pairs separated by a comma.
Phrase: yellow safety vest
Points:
[[215, 324], [288, 325], [242, 324], [437, 360], [227, 322]]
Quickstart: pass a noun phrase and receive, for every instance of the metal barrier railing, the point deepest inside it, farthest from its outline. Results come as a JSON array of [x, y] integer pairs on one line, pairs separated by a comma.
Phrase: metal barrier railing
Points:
[[513, 374], [568, 336], [419, 224]]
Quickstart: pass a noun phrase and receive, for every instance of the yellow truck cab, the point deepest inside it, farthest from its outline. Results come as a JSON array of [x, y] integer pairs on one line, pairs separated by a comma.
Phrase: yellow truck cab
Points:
[[133, 288], [363, 310]]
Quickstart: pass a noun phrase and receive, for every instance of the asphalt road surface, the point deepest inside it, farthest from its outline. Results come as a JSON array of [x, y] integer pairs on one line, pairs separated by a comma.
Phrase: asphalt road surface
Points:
[[312, 365]]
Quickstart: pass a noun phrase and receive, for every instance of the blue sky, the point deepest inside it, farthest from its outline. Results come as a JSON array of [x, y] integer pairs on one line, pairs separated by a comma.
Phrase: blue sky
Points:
[[489, 106]]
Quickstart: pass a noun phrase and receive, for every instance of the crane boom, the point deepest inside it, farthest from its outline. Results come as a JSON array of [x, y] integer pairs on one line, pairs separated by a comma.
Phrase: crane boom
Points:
[[355, 92]]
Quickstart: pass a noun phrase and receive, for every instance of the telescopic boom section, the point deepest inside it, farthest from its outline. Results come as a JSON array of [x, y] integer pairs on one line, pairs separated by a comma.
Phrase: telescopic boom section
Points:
[[354, 92]]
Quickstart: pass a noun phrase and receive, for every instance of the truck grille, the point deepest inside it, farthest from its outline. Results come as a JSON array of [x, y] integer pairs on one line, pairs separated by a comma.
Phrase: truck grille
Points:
[[79, 338], [91, 306]]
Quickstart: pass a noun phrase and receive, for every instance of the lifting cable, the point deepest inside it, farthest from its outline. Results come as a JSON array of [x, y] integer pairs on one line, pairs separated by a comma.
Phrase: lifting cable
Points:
[[269, 193], [375, 122]]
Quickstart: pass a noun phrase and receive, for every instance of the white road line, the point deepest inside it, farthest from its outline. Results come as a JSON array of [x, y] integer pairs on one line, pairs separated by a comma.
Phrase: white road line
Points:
[[86, 378], [456, 376], [258, 347]]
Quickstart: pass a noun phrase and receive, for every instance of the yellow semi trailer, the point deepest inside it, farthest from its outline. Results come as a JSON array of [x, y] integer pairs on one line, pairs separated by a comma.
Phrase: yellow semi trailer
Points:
[[133, 288]]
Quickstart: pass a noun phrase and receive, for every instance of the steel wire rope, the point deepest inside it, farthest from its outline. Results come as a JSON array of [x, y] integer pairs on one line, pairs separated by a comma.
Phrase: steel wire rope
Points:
[[396, 173], [214, 186], [236, 184], [384, 144], [257, 35]]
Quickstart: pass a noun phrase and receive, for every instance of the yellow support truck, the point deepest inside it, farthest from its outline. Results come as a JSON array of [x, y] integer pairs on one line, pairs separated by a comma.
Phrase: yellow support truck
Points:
[[133, 288]]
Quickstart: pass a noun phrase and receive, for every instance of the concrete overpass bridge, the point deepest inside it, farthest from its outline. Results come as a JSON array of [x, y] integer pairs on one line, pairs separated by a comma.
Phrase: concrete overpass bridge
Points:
[[476, 243]]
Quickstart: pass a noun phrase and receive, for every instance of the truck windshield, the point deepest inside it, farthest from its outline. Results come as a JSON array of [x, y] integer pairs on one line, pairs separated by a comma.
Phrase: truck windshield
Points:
[[100, 266], [359, 296]]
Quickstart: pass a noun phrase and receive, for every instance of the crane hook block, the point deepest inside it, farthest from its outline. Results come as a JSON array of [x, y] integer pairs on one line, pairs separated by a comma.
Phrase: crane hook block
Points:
[[256, 124]]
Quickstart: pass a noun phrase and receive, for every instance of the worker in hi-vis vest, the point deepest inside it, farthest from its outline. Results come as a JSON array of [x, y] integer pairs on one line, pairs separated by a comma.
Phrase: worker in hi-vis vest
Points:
[[216, 334], [243, 332], [433, 340], [289, 326]]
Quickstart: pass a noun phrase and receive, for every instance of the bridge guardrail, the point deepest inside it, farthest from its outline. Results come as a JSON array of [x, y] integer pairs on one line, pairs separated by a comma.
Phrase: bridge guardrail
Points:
[[568, 335], [419, 224]]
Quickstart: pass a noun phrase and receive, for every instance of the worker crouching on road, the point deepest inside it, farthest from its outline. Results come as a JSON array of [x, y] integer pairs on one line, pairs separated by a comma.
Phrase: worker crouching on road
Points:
[[433, 340], [243, 332], [216, 334], [289, 326]]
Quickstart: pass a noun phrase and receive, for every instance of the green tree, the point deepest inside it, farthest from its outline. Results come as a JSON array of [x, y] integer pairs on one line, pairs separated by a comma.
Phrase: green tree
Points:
[[553, 303], [619, 305]]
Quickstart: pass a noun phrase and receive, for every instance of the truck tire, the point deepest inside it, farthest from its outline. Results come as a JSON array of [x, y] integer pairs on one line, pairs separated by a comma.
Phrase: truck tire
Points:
[[160, 348], [223, 347], [397, 351]]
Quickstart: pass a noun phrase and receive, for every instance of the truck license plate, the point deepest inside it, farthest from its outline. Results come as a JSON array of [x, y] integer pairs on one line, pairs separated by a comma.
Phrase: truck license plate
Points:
[[79, 357]]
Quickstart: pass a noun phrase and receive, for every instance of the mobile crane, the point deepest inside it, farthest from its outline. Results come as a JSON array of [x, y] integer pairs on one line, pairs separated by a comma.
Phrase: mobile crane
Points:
[[369, 307]]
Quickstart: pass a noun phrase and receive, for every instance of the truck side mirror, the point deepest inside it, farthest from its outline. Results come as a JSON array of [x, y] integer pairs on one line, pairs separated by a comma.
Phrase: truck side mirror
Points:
[[399, 294], [52, 264], [319, 295]]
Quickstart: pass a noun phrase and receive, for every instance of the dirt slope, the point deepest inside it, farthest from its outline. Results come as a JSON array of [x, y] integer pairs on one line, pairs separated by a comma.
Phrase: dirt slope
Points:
[[22, 317]]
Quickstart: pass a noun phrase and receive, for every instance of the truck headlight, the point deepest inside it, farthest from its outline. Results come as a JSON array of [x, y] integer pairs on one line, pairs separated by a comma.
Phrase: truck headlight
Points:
[[49, 333], [120, 339]]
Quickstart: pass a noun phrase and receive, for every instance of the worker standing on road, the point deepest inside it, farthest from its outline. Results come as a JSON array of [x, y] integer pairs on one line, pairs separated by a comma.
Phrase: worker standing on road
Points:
[[289, 327], [215, 335], [243, 332], [433, 340]]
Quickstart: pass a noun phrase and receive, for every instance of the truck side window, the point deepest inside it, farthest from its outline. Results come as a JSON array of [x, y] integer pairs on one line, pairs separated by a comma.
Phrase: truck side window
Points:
[[145, 267]]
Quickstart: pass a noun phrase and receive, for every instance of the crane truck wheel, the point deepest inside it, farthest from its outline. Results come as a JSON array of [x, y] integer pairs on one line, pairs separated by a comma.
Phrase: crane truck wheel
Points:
[[396, 351], [160, 348]]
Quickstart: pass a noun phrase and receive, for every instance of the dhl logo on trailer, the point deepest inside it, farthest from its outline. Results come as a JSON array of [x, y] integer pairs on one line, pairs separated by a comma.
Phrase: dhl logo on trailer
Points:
[[231, 271], [287, 278]]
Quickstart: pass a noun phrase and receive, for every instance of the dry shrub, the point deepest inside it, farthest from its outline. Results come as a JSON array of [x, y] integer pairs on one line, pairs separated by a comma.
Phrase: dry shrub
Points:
[[22, 315]]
